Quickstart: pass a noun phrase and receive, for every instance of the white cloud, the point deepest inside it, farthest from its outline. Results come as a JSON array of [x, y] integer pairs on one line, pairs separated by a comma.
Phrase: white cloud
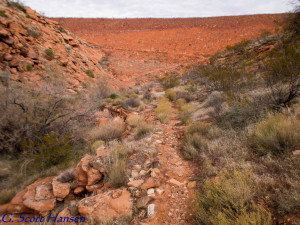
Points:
[[156, 8]]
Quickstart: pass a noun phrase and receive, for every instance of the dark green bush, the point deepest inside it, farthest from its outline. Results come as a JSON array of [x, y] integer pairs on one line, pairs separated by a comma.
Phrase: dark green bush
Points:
[[90, 73], [51, 150], [49, 52], [2, 13], [238, 46], [114, 96], [29, 67], [170, 81]]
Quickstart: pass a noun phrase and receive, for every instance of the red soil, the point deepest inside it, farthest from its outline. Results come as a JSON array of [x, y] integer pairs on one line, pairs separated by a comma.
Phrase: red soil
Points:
[[145, 48]]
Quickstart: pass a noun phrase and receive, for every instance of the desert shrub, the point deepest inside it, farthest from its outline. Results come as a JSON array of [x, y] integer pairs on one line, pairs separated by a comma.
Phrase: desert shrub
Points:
[[238, 116], [2, 13], [17, 4], [34, 31], [143, 130], [282, 75], [265, 33], [66, 176], [114, 96], [171, 94], [276, 135], [163, 110], [229, 200], [134, 120], [147, 95], [170, 81], [109, 131], [131, 102], [193, 145], [49, 52], [29, 67], [191, 88], [117, 174], [226, 79], [185, 95], [90, 73], [99, 91], [215, 99], [186, 111], [6, 195], [96, 145], [51, 150], [238, 46], [198, 128], [30, 114]]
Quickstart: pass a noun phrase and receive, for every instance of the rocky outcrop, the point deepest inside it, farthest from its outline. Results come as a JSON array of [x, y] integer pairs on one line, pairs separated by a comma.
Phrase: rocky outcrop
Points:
[[33, 48], [105, 206]]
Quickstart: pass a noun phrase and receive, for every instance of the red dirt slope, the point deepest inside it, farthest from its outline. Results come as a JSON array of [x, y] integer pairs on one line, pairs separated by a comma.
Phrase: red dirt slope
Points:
[[142, 48]]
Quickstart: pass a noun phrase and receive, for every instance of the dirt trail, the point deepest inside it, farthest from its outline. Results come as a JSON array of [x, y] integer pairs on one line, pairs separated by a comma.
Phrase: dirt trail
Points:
[[172, 207]]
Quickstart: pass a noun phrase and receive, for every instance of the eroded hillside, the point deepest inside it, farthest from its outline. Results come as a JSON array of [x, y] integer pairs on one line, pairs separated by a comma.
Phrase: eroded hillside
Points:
[[34, 48], [138, 50]]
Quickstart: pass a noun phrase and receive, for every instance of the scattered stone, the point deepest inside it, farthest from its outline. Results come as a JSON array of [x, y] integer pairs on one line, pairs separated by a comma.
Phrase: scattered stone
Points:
[[143, 202], [150, 183], [78, 190], [296, 153], [160, 191], [60, 190], [143, 172], [151, 192], [137, 167], [134, 174], [151, 210], [175, 182], [135, 183]]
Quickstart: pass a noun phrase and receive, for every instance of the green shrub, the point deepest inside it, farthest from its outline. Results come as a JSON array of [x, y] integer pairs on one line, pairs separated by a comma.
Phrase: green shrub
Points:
[[170, 81], [16, 4], [90, 73], [186, 111], [96, 145], [238, 46], [193, 145], [163, 110], [277, 135], [228, 200], [192, 88], [171, 94], [29, 67], [49, 52], [2, 13], [50, 151], [114, 96]]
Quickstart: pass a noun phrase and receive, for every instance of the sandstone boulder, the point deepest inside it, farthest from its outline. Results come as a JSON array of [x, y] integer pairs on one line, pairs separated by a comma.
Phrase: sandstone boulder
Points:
[[106, 205], [60, 190]]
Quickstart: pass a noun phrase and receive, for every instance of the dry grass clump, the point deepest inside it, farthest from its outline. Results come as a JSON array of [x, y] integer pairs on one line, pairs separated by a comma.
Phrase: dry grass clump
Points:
[[134, 120], [163, 110], [228, 199], [277, 135], [195, 140], [143, 130], [170, 94], [66, 176], [186, 111], [132, 102], [109, 131]]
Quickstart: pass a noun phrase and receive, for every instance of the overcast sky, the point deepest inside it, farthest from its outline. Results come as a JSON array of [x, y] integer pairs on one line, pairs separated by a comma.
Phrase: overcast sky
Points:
[[156, 8]]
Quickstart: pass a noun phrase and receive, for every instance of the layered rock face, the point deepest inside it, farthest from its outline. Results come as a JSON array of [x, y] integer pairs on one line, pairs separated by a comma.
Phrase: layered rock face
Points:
[[34, 48]]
